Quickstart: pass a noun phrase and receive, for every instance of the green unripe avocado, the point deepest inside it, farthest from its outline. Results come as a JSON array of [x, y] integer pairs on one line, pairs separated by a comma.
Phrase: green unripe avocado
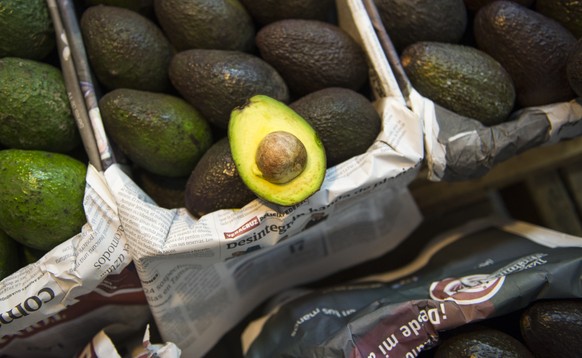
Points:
[[41, 197], [9, 260], [35, 112]]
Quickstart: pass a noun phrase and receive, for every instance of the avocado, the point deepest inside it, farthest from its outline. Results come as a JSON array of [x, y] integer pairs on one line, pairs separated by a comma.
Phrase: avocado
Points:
[[532, 47], [144, 7], [482, 343], [460, 78], [26, 29], [35, 112], [41, 197], [215, 184], [126, 49], [159, 132], [346, 121], [267, 11], [217, 81], [574, 69], [9, 260], [311, 55], [567, 13], [278, 155], [474, 5], [410, 21], [552, 328], [167, 192], [206, 24]]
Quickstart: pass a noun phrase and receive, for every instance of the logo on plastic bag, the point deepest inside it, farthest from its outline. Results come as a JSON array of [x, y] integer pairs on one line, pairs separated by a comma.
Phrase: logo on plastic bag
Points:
[[467, 290]]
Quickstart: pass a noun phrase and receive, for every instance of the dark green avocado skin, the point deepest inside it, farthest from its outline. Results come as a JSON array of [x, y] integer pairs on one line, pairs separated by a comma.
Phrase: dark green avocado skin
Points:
[[215, 184], [574, 69], [567, 13], [532, 47], [312, 55], [553, 328], [217, 81], [410, 21]]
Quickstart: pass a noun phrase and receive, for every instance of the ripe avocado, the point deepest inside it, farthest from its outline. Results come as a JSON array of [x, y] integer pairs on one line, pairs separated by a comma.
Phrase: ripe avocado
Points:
[[460, 78], [35, 112], [410, 21], [206, 24], [482, 343], [268, 11], [159, 132], [574, 69], [532, 48], [311, 55], [347, 123], [9, 260], [217, 81], [553, 328], [215, 183], [126, 49], [567, 13], [41, 197], [26, 29], [278, 155]]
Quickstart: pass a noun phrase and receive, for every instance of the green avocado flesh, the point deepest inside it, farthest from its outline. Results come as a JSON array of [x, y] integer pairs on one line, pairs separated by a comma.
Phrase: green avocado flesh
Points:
[[256, 121]]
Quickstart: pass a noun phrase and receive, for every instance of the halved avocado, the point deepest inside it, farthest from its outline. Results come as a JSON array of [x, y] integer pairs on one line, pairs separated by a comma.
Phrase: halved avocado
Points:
[[278, 155]]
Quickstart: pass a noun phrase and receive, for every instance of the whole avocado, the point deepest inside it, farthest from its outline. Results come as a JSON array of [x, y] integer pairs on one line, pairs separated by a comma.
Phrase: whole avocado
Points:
[[475, 5], [41, 197], [217, 81], [347, 123], [410, 21], [215, 184], [460, 78], [26, 29], [311, 55], [35, 112], [206, 24], [552, 328], [159, 132], [126, 49], [268, 11], [167, 192], [533, 48]]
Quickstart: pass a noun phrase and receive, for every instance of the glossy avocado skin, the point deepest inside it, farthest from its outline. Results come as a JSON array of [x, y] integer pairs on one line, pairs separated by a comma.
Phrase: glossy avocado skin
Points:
[[532, 48], [41, 197], [215, 184], [460, 78], [126, 49], [347, 123], [161, 133], [311, 55], [206, 24], [35, 112], [26, 29], [217, 81], [410, 21], [553, 328], [482, 343]]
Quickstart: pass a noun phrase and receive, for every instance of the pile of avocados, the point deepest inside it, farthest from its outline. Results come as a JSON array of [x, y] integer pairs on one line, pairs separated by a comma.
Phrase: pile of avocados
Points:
[[486, 59], [215, 103], [42, 161], [545, 328]]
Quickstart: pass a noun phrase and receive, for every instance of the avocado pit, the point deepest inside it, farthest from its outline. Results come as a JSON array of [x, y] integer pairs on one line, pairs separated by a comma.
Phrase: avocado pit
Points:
[[280, 157]]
